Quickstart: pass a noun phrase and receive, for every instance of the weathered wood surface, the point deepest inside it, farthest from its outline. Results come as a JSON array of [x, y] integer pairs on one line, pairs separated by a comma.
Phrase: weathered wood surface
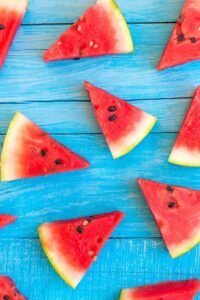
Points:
[[53, 96]]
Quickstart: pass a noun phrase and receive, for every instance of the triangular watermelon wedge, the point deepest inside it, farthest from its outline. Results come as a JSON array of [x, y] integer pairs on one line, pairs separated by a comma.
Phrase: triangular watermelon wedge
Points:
[[6, 220], [124, 125], [73, 245], [101, 30], [171, 290], [177, 214], [29, 151], [11, 16], [183, 45], [186, 150], [8, 289]]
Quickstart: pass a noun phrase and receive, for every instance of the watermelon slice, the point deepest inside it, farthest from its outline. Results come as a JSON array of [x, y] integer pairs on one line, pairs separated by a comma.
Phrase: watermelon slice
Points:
[[177, 214], [29, 151], [186, 151], [124, 125], [184, 42], [172, 290], [102, 30], [11, 16], [6, 220], [8, 290], [73, 245]]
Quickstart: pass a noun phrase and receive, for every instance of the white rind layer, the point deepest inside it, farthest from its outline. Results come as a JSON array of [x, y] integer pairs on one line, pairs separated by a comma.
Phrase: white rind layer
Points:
[[68, 273], [128, 142], [187, 245], [126, 294], [184, 157], [19, 6], [124, 42], [8, 166]]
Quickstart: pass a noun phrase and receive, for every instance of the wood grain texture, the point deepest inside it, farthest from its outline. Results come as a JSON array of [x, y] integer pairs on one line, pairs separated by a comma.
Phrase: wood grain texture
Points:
[[53, 96], [131, 76], [108, 185], [51, 11], [78, 116], [135, 262]]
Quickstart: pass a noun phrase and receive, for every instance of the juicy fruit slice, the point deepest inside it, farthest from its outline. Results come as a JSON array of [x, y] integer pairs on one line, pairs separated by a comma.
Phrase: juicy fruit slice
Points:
[[177, 214], [29, 151], [11, 16], [179, 290], [8, 290], [73, 245], [6, 220], [124, 125], [184, 43], [102, 30], [186, 150]]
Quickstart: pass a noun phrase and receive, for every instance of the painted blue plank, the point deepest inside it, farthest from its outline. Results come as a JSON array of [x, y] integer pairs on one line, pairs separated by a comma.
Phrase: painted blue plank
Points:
[[78, 116], [128, 76], [108, 185], [40, 37], [122, 263], [59, 11]]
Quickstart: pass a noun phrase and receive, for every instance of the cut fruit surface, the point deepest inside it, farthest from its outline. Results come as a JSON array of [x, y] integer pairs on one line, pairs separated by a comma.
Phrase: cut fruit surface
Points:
[[29, 151], [184, 43], [102, 30], [6, 220], [186, 150], [124, 125], [8, 290], [177, 214], [171, 290], [73, 245], [11, 16]]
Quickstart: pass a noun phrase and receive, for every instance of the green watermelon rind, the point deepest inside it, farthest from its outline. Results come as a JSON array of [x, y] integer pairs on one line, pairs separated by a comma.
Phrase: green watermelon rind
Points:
[[11, 133], [187, 246], [70, 282], [177, 158], [120, 16], [126, 150], [123, 295]]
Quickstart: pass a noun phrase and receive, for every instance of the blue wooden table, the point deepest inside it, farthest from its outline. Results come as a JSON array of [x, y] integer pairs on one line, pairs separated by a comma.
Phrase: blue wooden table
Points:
[[53, 96]]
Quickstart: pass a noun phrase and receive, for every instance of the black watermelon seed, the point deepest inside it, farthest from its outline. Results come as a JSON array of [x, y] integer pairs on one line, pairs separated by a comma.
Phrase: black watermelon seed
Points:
[[58, 162], [77, 58], [89, 219], [193, 40], [2, 27], [6, 297], [113, 118], [181, 37], [169, 189], [112, 108], [172, 204], [43, 152], [80, 229]]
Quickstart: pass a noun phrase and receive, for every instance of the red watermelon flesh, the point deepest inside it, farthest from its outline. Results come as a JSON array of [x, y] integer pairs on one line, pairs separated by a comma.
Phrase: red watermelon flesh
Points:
[[172, 290], [8, 290], [29, 151], [73, 245], [186, 150], [6, 220], [124, 125], [184, 43], [11, 15], [177, 214], [102, 30]]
